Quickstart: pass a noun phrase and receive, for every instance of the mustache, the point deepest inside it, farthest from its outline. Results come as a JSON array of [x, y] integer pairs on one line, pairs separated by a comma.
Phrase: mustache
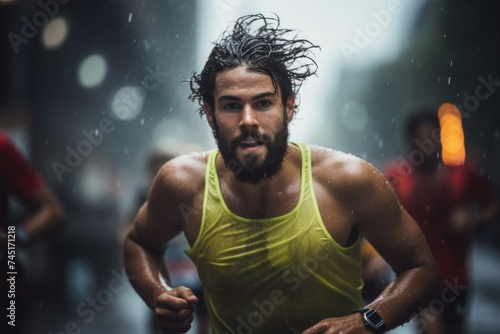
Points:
[[253, 135]]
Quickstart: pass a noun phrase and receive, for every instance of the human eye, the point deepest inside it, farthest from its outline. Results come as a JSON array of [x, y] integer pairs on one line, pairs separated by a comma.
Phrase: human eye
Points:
[[231, 106], [263, 104]]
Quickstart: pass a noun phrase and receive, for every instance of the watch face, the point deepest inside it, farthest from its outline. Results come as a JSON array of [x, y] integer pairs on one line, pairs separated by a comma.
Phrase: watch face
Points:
[[373, 320]]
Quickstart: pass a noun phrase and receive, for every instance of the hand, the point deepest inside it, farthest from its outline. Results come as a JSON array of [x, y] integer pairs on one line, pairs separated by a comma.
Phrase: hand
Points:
[[350, 324], [174, 310]]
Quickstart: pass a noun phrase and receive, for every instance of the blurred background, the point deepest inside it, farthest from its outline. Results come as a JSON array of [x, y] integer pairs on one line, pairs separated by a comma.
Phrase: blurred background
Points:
[[89, 89]]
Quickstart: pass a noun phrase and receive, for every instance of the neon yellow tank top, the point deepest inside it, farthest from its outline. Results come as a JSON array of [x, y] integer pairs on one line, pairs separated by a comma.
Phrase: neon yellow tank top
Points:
[[275, 275]]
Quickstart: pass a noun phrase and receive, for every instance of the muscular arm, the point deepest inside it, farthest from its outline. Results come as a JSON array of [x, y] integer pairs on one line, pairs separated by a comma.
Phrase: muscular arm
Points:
[[373, 209], [159, 220], [398, 239]]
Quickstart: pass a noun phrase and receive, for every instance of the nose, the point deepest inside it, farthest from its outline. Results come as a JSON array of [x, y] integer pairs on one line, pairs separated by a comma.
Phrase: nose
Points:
[[248, 119]]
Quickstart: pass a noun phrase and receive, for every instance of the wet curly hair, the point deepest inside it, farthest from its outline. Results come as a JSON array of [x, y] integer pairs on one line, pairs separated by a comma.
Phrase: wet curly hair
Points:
[[258, 43]]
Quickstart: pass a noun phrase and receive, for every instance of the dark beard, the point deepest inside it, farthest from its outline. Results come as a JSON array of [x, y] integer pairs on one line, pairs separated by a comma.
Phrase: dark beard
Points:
[[249, 170]]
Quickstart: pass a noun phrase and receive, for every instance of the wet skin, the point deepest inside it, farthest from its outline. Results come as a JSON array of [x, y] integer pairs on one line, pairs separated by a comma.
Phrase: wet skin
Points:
[[353, 197]]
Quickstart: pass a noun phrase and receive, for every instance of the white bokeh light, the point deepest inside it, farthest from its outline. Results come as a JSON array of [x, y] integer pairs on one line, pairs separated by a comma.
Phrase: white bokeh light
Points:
[[55, 33], [127, 102], [92, 71]]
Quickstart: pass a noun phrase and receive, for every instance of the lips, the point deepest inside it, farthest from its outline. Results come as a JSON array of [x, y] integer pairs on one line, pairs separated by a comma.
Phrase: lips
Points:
[[250, 143]]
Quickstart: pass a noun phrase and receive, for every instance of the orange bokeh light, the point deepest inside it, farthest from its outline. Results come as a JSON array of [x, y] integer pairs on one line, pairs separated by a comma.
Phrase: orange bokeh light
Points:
[[452, 135]]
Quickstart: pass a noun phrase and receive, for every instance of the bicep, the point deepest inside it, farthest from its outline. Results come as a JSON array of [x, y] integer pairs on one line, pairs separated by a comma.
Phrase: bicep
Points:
[[391, 230], [153, 228]]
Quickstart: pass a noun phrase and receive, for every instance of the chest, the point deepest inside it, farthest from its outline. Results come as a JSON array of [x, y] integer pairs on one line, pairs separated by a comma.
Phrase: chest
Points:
[[276, 202]]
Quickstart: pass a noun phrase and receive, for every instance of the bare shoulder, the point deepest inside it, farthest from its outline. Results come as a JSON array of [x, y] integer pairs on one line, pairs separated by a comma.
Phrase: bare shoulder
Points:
[[343, 170], [179, 183], [183, 175]]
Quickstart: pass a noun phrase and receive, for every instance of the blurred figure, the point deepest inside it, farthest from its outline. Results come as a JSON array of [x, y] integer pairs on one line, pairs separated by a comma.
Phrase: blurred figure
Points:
[[19, 180], [376, 272], [181, 268], [448, 202]]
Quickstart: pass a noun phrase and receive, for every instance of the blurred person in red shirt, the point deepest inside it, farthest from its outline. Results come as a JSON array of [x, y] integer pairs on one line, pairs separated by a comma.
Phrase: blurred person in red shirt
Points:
[[19, 180], [447, 202]]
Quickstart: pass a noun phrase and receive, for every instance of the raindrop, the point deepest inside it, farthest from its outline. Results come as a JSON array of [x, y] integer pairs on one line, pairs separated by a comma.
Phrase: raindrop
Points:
[[444, 36], [380, 143], [129, 17], [412, 61], [449, 80], [451, 63], [96, 132], [142, 121]]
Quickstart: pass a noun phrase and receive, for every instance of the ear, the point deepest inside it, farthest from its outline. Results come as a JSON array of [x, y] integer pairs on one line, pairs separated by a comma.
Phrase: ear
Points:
[[290, 107], [209, 113]]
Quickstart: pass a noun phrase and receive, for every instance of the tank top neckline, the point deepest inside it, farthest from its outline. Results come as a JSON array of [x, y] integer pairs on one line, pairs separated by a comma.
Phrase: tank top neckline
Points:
[[305, 161]]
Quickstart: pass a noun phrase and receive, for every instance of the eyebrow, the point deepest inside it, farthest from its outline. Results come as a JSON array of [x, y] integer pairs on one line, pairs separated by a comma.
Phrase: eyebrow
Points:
[[256, 97]]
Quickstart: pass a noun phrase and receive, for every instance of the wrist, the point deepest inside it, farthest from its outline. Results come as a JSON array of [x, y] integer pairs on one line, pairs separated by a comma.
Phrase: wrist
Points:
[[372, 320]]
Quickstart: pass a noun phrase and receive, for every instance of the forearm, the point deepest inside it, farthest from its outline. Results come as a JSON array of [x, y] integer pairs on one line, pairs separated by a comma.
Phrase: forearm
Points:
[[411, 289], [47, 215], [45, 220], [146, 270]]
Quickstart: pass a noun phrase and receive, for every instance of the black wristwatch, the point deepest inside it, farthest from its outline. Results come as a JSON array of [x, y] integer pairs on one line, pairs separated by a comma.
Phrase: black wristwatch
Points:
[[372, 320]]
